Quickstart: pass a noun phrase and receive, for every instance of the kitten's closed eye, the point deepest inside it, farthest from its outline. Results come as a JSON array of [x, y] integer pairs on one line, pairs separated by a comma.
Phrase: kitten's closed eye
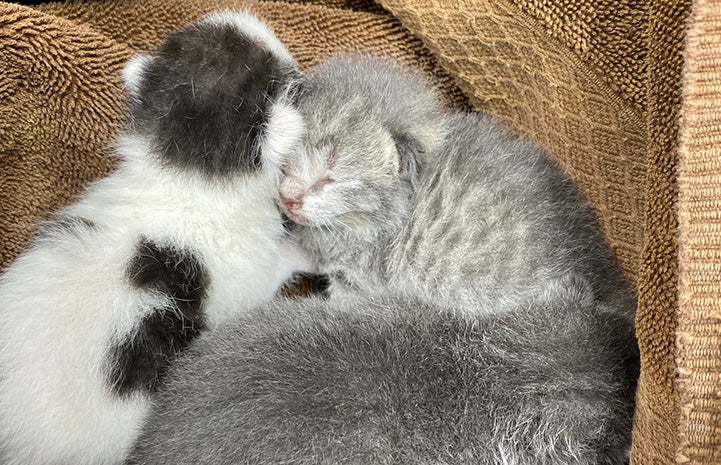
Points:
[[318, 185]]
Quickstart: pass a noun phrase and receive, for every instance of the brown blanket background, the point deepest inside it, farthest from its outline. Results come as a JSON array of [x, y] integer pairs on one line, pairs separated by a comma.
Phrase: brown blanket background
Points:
[[597, 82]]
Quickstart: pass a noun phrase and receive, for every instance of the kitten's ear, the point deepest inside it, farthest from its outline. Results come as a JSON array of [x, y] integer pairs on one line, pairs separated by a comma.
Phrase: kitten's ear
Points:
[[408, 158], [413, 145], [284, 127], [282, 133], [133, 71]]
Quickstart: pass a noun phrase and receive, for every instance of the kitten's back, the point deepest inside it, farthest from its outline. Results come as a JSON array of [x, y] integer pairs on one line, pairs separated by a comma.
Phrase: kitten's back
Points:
[[394, 382], [497, 219]]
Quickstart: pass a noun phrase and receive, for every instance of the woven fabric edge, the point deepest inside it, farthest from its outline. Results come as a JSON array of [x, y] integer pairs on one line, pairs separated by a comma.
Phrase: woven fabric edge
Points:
[[698, 344]]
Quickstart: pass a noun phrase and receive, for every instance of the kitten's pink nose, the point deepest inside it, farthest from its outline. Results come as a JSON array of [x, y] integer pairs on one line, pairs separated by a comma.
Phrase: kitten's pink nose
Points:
[[291, 203]]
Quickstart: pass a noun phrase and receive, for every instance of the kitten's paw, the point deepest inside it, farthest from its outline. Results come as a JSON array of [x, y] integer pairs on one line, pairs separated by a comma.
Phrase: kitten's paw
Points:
[[297, 272]]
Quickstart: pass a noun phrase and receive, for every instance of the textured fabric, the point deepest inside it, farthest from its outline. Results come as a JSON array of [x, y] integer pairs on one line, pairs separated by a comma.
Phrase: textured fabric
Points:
[[657, 410], [609, 35], [699, 212], [59, 103]]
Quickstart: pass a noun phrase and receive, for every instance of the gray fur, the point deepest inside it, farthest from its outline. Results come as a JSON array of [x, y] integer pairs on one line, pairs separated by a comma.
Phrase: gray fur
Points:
[[476, 315], [488, 216], [392, 381]]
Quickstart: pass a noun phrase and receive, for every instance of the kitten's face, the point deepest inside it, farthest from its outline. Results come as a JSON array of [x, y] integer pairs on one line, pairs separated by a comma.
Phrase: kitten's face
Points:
[[369, 124], [345, 175]]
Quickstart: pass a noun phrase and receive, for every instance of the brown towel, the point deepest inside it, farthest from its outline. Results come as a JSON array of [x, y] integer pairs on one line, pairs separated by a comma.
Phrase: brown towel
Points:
[[597, 82]]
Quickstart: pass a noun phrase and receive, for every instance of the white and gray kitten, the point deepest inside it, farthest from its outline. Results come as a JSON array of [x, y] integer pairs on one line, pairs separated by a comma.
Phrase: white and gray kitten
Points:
[[183, 235], [476, 315]]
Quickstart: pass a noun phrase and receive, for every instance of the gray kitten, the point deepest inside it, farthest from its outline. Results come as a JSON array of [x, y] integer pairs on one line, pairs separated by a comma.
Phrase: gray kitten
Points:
[[391, 190], [475, 313], [395, 381]]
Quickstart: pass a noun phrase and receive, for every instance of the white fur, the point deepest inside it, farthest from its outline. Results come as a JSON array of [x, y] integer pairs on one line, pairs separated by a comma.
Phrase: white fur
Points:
[[64, 301], [67, 300], [132, 73], [250, 26], [283, 132]]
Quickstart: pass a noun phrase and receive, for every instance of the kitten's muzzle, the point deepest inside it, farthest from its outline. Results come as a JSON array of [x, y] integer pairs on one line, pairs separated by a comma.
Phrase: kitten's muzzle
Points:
[[291, 204]]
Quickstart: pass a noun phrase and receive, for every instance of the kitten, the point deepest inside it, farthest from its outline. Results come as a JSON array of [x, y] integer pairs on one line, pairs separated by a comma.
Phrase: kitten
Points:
[[475, 315], [182, 236], [390, 189], [388, 380]]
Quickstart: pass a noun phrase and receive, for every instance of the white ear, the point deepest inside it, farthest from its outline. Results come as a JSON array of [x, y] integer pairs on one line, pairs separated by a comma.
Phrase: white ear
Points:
[[132, 73], [282, 133]]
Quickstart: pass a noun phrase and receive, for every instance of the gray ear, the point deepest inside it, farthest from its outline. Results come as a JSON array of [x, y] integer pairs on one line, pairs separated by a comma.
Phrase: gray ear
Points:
[[409, 161], [417, 137]]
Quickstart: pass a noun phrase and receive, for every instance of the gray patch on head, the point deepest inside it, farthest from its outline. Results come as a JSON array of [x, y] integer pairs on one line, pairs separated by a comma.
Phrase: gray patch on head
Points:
[[205, 96]]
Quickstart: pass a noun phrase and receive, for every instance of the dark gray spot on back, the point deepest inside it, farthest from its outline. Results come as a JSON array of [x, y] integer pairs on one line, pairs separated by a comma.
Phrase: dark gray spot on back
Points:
[[140, 360]]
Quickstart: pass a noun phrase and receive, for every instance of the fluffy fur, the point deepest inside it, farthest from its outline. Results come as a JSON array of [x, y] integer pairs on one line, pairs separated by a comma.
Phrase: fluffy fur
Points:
[[475, 316], [390, 188], [386, 380], [182, 236]]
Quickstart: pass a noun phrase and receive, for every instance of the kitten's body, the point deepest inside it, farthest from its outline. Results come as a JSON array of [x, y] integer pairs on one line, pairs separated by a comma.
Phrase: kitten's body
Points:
[[171, 243], [386, 380], [499, 221], [484, 216], [475, 314]]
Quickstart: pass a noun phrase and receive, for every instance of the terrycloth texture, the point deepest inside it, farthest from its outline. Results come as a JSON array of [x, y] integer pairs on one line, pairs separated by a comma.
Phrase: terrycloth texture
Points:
[[699, 212], [657, 411], [59, 102], [608, 35], [597, 82]]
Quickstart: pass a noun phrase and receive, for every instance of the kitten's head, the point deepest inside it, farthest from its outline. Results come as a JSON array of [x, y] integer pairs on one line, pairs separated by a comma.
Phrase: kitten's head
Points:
[[369, 126], [212, 98]]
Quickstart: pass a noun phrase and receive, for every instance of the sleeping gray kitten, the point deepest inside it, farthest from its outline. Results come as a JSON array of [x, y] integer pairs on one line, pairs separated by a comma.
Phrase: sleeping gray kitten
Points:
[[389, 189], [475, 316]]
